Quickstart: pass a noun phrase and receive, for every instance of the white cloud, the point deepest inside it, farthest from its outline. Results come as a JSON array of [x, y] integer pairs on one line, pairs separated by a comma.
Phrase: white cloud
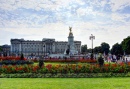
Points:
[[56, 5], [34, 4], [81, 31], [120, 17], [118, 5], [81, 12], [51, 28], [103, 3], [117, 17], [32, 19]]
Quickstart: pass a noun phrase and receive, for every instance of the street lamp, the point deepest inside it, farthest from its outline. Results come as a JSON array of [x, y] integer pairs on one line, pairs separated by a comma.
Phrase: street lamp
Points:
[[38, 52], [92, 38], [44, 50]]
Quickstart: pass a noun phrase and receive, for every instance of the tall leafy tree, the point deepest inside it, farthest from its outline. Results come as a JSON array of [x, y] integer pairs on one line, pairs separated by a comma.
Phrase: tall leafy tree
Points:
[[105, 48], [67, 51], [89, 50], [117, 49], [84, 48], [0, 48], [22, 57], [98, 49], [126, 45]]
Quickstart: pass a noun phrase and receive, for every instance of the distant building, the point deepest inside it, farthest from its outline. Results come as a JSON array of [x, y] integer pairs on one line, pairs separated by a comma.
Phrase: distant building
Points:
[[40, 48], [5, 50]]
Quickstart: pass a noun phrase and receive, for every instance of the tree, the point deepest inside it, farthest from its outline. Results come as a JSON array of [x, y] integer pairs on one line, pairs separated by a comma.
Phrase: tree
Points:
[[100, 60], [117, 49], [41, 62], [84, 48], [1, 49], [22, 57], [67, 51], [98, 49], [105, 48], [89, 50], [126, 45]]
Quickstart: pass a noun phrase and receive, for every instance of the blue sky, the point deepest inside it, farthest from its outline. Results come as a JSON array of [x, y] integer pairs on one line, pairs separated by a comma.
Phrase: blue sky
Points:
[[107, 20]]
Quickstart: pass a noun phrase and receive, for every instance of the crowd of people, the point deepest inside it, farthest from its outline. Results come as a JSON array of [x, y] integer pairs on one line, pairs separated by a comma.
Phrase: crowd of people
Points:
[[115, 58]]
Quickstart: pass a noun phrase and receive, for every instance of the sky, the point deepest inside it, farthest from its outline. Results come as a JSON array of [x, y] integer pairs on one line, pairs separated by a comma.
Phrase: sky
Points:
[[107, 20]]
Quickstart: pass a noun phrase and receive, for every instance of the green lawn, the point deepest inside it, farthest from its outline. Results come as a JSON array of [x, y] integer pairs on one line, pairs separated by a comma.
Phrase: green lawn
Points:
[[57, 63], [64, 83]]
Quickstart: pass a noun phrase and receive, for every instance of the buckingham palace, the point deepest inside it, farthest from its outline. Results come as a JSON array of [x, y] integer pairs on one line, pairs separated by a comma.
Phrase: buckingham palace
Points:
[[39, 48]]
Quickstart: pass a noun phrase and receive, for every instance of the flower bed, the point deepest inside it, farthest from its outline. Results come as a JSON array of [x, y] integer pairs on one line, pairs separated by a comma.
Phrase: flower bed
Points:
[[10, 58], [64, 69], [51, 60], [68, 60], [15, 62]]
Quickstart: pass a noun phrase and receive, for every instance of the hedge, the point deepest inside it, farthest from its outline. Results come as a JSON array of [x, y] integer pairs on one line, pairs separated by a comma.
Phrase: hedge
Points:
[[68, 75]]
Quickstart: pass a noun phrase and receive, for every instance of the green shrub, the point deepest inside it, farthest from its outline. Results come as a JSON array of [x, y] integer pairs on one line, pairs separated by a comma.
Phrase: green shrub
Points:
[[15, 62]]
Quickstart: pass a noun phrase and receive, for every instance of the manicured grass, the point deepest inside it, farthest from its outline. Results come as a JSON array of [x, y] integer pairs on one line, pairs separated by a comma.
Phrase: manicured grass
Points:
[[57, 63], [65, 83]]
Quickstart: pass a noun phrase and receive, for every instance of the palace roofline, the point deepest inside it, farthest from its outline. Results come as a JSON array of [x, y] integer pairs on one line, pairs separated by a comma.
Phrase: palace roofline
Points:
[[44, 39]]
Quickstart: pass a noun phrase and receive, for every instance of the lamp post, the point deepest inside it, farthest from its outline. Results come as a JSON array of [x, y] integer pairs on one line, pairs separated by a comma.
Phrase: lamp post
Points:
[[21, 47], [44, 51], [38, 52], [92, 38]]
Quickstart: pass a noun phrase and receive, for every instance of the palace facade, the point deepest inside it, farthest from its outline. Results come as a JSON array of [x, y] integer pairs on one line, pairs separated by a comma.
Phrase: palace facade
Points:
[[40, 48]]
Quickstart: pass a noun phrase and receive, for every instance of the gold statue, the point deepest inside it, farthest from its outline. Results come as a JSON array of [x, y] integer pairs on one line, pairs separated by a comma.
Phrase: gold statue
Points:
[[70, 28]]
